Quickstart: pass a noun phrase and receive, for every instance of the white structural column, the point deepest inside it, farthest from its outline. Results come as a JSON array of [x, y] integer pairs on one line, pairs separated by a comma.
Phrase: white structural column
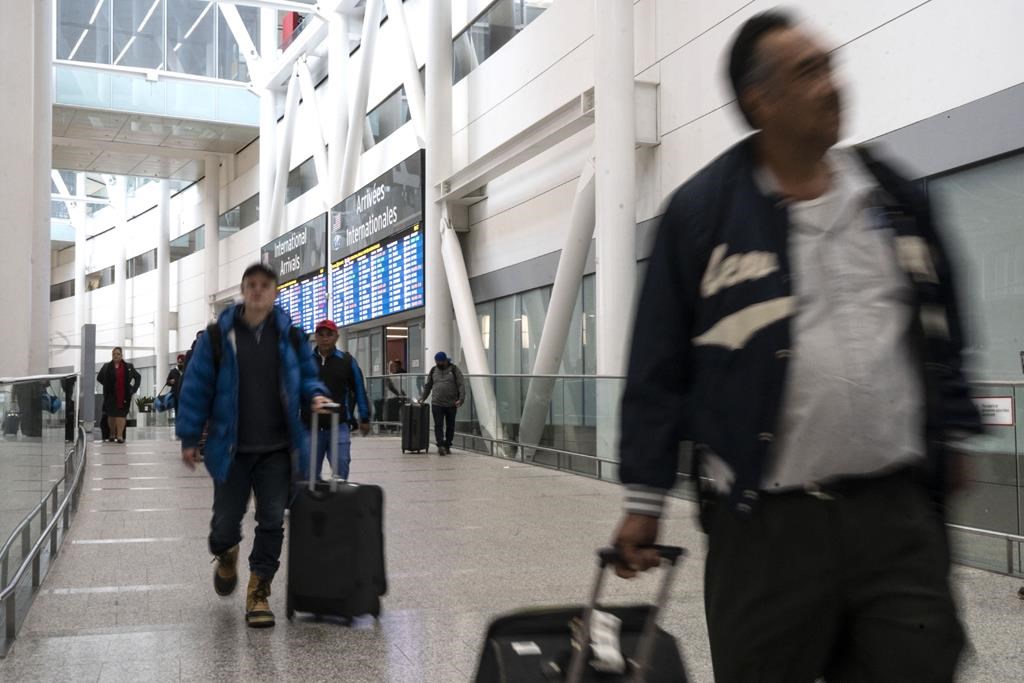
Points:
[[16, 186], [284, 155], [337, 65], [163, 281], [469, 331], [268, 127], [78, 219], [615, 193], [571, 265], [615, 144], [357, 108], [211, 236], [42, 143], [438, 310], [411, 71], [315, 122], [118, 191]]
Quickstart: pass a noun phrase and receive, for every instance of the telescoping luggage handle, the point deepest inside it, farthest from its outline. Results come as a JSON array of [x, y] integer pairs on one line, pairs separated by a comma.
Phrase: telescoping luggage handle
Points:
[[669, 555], [335, 410]]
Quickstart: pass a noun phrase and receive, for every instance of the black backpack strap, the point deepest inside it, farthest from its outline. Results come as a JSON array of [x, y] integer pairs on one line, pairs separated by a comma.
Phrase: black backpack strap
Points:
[[216, 343]]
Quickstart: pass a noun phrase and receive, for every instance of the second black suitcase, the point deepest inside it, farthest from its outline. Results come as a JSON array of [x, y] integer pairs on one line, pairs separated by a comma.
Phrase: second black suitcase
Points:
[[537, 645], [415, 419], [336, 545]]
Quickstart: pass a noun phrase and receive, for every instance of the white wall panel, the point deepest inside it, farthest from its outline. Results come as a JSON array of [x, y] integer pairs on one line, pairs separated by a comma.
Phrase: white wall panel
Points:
[[532, 229]]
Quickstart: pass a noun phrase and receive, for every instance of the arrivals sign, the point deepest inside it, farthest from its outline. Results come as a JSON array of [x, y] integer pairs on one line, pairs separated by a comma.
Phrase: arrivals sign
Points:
[[299, 251], [388, 205]]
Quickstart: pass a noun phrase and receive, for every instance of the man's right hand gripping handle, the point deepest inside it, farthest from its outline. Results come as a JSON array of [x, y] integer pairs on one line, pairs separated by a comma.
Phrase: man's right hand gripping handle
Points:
[[634, 539]]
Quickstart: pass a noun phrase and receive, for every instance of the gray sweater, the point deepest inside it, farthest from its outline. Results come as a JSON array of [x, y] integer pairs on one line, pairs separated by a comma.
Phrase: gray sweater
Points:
[[448, 386]]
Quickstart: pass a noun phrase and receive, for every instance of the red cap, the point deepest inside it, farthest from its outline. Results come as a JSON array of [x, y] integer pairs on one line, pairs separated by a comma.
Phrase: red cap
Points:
[[329, 324]]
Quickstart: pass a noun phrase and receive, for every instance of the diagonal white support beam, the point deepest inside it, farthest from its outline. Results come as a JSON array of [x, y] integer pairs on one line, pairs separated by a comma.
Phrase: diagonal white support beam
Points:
[[284, 153], [245, 43], [62, 192], [276, 72], [357, 113], [411, 70], [561, 124], [315, 122], [469, 329], [338, 58], [571, 265]]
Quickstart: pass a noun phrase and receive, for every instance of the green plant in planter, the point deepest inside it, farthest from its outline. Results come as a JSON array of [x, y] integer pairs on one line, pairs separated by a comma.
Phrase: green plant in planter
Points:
[[144, 404]]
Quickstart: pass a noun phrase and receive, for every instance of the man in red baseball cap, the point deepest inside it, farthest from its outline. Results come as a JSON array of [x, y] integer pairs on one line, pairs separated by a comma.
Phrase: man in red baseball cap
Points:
[[340, 372]]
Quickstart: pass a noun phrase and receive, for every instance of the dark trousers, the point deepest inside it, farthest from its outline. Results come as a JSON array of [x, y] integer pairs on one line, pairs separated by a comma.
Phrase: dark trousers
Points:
[[268, 477], [853, 587], [444, 424]]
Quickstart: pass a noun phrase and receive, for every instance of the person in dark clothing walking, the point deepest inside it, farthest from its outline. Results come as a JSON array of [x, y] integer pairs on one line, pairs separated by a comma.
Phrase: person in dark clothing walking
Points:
[[798, 323], [340, 372], [120, 380], [174, 378], [249, 377], [449, 388]]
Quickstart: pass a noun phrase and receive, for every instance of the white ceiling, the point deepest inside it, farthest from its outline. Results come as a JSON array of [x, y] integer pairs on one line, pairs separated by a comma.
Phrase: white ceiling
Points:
[[139, 144]]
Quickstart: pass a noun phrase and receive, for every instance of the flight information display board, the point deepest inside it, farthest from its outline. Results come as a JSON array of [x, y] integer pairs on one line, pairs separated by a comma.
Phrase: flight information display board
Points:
[[382, 279], [305, 300]]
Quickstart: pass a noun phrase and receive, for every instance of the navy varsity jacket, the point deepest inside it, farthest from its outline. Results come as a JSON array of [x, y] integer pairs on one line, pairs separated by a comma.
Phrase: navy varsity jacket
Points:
[[712, 337]]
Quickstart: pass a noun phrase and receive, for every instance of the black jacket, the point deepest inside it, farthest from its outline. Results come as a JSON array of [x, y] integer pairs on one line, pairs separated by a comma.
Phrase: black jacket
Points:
[[345, 384], [712, 338], [107, 377]]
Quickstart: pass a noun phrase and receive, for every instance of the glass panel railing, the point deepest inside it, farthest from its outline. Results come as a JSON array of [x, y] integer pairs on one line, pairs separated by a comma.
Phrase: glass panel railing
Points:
[[42, 458], [576, 424], [102, 88], [563, 428], [35, 420]]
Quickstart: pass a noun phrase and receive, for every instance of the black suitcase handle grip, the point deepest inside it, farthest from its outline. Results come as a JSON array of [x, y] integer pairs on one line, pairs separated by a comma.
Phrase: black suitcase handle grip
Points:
[[669, 553]]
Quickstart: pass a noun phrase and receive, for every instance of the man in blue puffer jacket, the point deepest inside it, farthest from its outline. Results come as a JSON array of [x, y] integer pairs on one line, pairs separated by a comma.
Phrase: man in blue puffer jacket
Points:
[[248, 378]]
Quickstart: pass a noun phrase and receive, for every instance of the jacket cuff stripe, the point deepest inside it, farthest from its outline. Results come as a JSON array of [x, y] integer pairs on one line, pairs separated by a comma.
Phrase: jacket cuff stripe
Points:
[[644, 500]]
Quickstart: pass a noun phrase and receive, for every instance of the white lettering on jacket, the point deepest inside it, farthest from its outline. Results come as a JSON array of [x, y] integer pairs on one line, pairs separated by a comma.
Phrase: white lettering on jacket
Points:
[[734, 331], [916, 258], [726, 272]]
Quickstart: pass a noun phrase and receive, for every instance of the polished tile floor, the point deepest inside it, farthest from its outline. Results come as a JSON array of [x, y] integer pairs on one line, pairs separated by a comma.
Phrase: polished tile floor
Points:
[[468, 537]]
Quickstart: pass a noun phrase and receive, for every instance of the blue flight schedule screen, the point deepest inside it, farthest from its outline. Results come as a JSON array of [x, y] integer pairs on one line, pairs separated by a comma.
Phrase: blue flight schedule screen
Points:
[[305, 300], [383, 279]]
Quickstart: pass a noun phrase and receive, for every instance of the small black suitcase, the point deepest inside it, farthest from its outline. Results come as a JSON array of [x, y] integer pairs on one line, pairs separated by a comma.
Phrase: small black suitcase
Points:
[[538, 645], [11, 422], [335, 544], [415, 427]]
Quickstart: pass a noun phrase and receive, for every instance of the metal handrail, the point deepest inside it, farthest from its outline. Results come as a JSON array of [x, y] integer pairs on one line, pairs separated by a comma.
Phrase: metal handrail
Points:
[[35, 378], [31, 556], [1009, 538], [502, 375]]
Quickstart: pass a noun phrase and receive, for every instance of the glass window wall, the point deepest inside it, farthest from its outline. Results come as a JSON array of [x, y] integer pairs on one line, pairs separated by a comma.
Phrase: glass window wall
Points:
[[982, 207], [240, 217], [490, 31], [99, 278], [138, 33], [191, 37], [62, 290], [187, 244], [143, 263], [301, 179], [83, 31]]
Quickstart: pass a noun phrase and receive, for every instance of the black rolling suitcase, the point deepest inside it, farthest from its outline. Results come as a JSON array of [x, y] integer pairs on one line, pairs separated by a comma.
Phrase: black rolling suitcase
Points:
[[415, 419], [11, 422], [542, 645], [335, 543]]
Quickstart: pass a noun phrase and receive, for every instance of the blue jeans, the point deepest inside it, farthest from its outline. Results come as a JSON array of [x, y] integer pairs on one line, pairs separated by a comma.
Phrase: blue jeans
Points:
[[444, 424], [323, 445], [268, 477]]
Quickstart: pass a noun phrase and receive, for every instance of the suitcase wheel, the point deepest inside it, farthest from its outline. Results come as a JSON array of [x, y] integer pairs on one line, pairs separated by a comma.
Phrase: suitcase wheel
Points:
[[289, 611]]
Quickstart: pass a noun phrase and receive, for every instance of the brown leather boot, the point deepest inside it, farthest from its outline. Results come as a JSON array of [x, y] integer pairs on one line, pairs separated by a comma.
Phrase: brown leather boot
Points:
[[257, 608], [225, 577]]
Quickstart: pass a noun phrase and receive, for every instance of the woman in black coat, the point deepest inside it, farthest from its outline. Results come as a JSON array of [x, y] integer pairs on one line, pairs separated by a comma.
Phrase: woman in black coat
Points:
[[120, 380]]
